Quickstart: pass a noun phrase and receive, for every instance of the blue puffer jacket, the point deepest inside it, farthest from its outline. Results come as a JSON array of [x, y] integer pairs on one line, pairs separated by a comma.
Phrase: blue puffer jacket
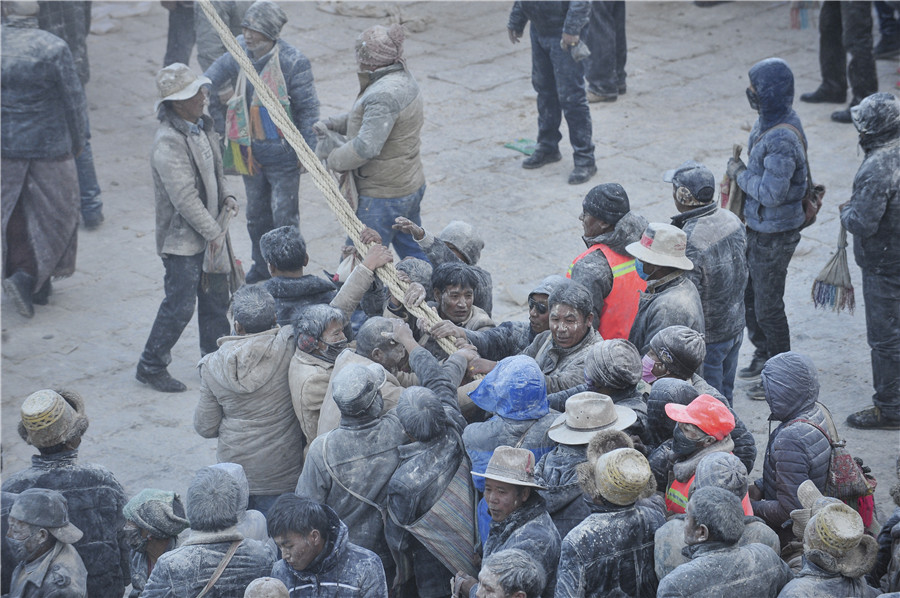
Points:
[[550, 18], [775, 179], [796, 451]]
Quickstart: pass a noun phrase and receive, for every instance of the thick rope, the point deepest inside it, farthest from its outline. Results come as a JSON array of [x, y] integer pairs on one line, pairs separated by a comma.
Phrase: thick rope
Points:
[[324, 181]]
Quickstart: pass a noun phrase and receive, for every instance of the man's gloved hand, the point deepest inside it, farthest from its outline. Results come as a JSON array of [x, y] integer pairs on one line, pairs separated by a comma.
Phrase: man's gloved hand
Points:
[[735, 167]]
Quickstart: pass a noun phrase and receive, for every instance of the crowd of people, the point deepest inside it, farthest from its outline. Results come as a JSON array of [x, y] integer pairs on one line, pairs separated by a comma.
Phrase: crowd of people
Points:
[[593, 449]]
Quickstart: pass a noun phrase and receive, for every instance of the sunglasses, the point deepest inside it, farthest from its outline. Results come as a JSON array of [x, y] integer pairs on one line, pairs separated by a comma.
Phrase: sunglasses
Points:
[[540, 307]]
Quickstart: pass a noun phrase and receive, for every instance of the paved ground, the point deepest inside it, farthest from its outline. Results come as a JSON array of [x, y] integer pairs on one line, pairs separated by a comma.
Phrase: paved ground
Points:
[[687, 70]]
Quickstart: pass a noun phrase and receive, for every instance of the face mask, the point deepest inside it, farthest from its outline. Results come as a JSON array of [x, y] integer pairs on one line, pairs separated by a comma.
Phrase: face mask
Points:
[[647, 364], [18, 548], [753, 98], [683, 446], [639, 268], [135, 541], [332, 350]]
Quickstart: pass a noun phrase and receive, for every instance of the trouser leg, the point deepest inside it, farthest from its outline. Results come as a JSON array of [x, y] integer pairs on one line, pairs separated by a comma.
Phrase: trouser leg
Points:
[[212, 308], [379, 213], [259, 220], [19, 253], [832, 56], [88, 187], [600, 68], [544, 82], [181, 283], [181, 35], [574, 104], [720, 365], [856, 19], [621, 43], [882, 297]]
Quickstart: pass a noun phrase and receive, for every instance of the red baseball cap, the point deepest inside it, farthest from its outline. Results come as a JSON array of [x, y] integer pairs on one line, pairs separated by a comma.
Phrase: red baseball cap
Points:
[[707, 413]]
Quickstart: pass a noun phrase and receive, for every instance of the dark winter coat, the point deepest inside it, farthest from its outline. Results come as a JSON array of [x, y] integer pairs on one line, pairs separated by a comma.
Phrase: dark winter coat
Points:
[[293, 294], [342, 569], [717, 244], [44, 111], [95, 502], [550, 18], [297, 76], [528, 528], [183, 572], [438, 253], [716, 570], [610, 553], [563, 368], [815, 582], [593, 270], [775, 178], [556, 471], [505, 340], [796, 451], [873, 214], [673, 302]]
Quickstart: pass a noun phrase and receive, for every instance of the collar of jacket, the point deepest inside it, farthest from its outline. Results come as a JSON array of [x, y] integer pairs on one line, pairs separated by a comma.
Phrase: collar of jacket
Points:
[[241, 337], [331, 553], [56, 460], [697, 550], [669, 280], [604, 506], [359, 422], [229, 534], [366, 78], [532, 508], [684, 469], [183, 126], [562, 352], [681, 219], [38, 574]]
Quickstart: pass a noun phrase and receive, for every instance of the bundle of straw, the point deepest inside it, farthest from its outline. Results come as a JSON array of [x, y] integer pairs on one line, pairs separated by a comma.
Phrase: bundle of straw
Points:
[[832, 287]]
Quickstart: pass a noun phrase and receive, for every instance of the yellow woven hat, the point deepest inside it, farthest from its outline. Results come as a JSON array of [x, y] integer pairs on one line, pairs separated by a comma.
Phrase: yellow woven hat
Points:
[[52, 417], [622, 475]]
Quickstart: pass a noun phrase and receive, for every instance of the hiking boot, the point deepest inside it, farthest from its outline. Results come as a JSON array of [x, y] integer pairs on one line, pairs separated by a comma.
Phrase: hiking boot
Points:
[[92, 221], [163, 381], [872, 419], [19, 287], [582, 174], [756, 392], [824, 95], [842, 116], [593, 98], [42, 295], [540, 158], [753, 370]]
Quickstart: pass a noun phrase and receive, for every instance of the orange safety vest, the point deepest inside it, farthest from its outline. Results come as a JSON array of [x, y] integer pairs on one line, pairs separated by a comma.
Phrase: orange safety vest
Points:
[[621, 305], [677, 497]]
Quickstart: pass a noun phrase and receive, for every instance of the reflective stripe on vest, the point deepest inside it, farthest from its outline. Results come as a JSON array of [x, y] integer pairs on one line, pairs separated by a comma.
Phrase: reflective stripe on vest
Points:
[[677, 497], [621, 305]]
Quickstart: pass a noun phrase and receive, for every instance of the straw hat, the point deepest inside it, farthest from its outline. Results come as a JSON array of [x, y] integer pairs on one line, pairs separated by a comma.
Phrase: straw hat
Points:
[[586, 414], [50, 418], [178, 82], [838, 532], [622, 475], [511, 466], [662, 245]]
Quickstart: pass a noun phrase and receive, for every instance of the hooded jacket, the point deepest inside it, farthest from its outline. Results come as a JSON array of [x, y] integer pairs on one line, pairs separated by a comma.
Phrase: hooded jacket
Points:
[[673, 302], [796, 451], [550, 18], [717, 245], [873, 214], [95, 499], [245, 402], [528, 528], [562, 367], [593, 270], [556, 471], [610, 553], [341, 570], [775, 178], [717, 570], [813, 580]]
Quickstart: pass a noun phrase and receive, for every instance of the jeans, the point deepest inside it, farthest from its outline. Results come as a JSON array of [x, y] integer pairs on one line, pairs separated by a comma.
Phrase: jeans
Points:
[[768, 256], [559, 83], [847, 27], [88, 187], [181, 36], [720, 365], [882, 297], [605, 72], [379, 213], [272, 196], [262, 502], [183, 286]]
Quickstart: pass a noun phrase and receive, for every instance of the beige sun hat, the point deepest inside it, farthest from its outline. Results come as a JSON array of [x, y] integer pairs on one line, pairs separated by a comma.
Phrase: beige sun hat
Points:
[[178, 82], [662, 245], [586, 414], [511, 466], [838, 531], [622, 475], [49, 418]]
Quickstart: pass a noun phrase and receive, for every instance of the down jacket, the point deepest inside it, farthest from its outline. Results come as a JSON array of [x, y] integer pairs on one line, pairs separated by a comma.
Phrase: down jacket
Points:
[[556, 471], [183, 572], [245, 402], [873, 214], [717, 245], [666, 302], [95, 502], [550, 18], [383, 134], [563, 368], [775, 178], [610, 553], [796, 451], [342, 569]]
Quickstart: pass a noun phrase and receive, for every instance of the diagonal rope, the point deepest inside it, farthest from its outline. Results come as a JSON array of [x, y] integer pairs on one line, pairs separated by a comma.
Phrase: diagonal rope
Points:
[[324, 181]]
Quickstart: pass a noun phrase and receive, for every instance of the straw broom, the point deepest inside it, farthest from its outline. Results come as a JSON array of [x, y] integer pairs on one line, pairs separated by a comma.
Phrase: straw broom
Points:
[[832, 287]]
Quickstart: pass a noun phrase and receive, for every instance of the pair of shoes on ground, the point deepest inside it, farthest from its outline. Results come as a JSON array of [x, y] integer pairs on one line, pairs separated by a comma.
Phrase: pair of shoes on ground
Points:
[[161, 381], [580, 174], [872, 419], [825, 95]]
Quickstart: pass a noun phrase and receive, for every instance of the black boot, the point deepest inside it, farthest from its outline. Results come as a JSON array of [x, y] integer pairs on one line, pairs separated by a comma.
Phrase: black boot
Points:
[[162, 381], [19, 287], [42, 295], [540, 158]]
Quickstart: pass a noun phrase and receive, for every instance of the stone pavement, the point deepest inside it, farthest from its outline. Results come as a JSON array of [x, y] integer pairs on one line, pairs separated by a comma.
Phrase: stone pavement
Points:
[[687, 72]]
